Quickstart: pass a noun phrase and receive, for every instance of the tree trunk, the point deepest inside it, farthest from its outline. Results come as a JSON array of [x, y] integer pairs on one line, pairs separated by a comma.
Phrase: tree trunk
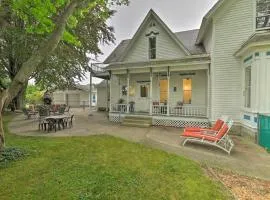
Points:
[[38, 56], [2, 138], [33, 62], [19, 99], [3, 97]]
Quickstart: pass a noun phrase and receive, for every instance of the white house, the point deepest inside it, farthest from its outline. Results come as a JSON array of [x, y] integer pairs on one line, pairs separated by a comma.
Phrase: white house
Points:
[[77, 96], [195, 76]]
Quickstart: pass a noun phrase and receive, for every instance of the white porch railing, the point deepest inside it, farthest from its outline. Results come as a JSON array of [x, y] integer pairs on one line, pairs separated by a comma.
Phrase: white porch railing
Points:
[[119, 108], [188, 111], [162, 110], [159, 109]]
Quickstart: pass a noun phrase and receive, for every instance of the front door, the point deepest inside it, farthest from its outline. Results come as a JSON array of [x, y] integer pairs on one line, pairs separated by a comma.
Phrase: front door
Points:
[[163, 85], [142, 102]]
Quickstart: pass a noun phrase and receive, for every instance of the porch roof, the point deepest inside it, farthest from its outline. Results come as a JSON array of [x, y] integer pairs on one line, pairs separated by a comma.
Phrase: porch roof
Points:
[[258, 39], [188, 60]]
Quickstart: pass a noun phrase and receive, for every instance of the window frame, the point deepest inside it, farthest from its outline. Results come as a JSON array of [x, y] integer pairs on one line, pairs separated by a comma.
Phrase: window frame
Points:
[[267, 10], [146, 91], [184, 91], [152, 51], [247, 87]]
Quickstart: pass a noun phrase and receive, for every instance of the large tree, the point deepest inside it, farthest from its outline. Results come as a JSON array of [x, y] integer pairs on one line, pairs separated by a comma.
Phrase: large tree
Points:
[[51, 22]]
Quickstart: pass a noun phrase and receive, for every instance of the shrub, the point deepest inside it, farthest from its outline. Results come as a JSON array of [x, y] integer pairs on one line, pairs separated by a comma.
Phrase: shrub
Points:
[[11, 154]]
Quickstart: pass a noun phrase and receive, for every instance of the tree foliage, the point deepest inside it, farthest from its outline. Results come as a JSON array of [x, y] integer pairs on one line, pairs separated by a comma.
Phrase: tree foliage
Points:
[[48, 23], [31, 23], [34, 94]]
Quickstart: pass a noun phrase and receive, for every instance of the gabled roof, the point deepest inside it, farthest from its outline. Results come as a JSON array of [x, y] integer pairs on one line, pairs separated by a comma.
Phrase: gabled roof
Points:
[[151, 14], [117, 52], [207, 19], [188, 39]]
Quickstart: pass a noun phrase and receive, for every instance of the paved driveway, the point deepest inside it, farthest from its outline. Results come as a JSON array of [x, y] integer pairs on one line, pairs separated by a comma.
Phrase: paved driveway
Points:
[[246, 158]]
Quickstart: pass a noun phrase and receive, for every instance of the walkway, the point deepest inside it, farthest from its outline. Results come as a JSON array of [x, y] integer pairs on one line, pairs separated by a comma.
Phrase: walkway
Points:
[[247, 158]]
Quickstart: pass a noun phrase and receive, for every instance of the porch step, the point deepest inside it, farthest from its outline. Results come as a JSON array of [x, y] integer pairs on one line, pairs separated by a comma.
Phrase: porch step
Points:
[[139, 121]]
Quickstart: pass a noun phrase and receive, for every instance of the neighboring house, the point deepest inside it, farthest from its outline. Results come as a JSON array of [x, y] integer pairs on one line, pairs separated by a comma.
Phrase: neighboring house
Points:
[[103, 95], [190, 77], [78, 96]]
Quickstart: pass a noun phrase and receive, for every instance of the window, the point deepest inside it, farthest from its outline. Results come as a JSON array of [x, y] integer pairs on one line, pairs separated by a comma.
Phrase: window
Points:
[[187, 90], [94, 98], [152, 48], [248, 87], [144, 91], [124, 90], [263, 14]]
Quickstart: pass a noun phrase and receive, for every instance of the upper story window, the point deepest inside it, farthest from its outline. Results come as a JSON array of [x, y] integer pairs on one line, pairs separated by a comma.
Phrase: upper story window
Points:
[[263, 14], [152, 47]]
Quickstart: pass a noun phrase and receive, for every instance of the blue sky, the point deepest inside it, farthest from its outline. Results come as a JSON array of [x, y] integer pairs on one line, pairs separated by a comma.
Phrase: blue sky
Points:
[[179, 15]]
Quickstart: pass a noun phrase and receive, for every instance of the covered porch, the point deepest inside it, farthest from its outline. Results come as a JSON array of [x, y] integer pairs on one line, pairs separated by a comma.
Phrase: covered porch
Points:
[[180, 91]]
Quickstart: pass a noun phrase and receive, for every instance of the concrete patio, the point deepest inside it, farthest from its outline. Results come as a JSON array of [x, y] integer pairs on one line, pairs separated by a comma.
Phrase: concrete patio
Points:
[[246, 158]]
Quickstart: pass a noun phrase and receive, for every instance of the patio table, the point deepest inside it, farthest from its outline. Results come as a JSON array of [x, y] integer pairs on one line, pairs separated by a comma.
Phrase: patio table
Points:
[[54, 120]]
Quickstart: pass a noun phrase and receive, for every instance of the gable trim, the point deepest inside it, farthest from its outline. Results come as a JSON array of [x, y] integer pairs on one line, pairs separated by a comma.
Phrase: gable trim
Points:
[[159, 20]]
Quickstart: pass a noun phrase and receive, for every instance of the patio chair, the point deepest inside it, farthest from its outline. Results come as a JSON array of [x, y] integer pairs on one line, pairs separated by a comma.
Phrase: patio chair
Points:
[[217, 126], [43, 112], [61, 109], [28, 113], [220, 139], [69, 121], [67, 109]]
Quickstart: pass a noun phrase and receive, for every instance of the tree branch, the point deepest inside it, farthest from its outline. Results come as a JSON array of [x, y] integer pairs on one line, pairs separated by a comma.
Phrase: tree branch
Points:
[[44, 50]]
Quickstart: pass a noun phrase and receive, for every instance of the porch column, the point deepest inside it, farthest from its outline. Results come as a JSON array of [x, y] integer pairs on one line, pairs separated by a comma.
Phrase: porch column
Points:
[[111, 81], [151, 92], [128, 80], [208, 98], [90, 100], [168, 101], [107, 95]]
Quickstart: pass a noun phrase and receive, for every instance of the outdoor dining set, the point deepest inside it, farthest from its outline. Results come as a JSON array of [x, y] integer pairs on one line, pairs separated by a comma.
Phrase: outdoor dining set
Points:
[[51, 117]]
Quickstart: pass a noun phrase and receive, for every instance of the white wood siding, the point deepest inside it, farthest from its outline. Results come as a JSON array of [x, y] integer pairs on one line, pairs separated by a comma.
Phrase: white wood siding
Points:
[[102, 97], [199, 88], [232, 27], [166, 47], [208, 39]]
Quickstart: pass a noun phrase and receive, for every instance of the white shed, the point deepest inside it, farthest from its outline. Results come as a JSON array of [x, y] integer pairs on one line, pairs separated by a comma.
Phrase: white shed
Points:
[[78, 96]]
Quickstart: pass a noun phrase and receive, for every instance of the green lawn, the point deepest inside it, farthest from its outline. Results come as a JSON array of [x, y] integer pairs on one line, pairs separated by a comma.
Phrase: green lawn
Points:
[[101, 167]]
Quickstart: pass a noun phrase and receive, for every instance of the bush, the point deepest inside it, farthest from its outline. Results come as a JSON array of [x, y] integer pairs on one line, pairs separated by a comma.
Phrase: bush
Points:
[[11, 154]]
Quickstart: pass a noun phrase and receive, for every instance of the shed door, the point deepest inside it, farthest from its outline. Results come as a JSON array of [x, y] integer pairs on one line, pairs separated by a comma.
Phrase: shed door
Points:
[[73, 100]]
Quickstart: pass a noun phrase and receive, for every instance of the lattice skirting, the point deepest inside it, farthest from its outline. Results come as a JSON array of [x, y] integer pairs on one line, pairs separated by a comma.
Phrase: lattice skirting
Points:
[[116, 118], [181, 122]]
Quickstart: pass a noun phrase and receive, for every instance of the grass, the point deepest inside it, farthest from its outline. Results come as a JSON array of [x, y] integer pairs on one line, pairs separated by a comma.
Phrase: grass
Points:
[[101, 167]]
